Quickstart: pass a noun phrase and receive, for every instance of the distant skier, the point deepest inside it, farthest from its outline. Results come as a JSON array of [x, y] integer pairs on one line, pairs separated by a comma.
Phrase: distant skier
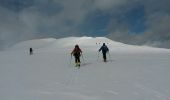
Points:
[[77, 53], [31, 51], [104, 50]]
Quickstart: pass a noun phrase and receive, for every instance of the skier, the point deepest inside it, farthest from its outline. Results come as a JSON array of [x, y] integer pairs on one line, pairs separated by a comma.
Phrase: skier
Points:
[[31, 51], [104, 50], [77, 53]]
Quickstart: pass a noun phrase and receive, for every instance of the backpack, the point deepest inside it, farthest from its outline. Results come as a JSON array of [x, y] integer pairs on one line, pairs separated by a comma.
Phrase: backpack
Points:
[[105, 49], [77, 52]]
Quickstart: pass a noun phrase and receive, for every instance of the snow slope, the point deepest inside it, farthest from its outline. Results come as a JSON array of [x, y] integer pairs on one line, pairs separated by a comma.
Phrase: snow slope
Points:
[[131, 73]]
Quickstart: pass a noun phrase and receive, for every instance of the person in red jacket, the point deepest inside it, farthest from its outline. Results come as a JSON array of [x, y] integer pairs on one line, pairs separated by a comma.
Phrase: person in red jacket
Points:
[[77, 53]]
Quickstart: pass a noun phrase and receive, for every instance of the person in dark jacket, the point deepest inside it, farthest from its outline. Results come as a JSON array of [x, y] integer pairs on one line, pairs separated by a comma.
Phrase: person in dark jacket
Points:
[[104, 50], [31, 51], [77, 53]]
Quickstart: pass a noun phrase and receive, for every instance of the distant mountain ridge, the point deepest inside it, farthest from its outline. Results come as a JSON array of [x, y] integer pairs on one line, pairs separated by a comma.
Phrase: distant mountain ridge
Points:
[[84, 42]]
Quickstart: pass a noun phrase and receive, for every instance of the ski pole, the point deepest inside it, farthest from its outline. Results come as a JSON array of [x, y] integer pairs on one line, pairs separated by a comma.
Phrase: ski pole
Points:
[[97, 56], [82, 57], [71, 59], [109, 56]]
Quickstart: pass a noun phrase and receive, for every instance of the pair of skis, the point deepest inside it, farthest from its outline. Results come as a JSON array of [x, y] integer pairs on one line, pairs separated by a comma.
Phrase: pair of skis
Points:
[[77, 65]]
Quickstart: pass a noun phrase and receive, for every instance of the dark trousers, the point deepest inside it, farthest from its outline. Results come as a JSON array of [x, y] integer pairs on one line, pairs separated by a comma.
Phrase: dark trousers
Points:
[[104, 56], [31, 52], [77, 59]]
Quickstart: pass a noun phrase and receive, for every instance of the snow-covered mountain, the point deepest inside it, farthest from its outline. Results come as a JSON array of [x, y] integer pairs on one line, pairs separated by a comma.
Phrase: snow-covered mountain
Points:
[[131, 73], [88, 43]]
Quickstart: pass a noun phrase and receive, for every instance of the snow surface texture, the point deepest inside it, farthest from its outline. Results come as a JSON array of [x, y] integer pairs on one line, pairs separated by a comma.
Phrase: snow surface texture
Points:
[[131, 73]]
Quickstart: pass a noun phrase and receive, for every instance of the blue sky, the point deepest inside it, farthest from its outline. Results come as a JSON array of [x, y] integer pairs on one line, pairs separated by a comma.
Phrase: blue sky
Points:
[[130, 21]]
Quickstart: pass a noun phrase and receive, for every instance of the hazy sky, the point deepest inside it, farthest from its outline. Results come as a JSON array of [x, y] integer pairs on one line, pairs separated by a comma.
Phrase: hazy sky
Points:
[[128, 21]]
